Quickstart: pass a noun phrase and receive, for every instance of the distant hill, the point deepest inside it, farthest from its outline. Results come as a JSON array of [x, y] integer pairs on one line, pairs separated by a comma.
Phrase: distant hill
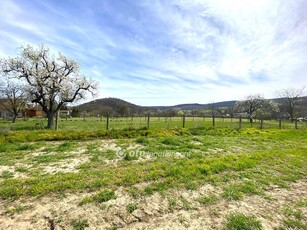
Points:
[[195, 106], [120, 107], [109, 105]]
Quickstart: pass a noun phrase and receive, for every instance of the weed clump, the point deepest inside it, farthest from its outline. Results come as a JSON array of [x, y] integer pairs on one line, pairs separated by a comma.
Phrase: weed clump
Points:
[[242, 222], [101, 197], [131, 207], [79, 224]]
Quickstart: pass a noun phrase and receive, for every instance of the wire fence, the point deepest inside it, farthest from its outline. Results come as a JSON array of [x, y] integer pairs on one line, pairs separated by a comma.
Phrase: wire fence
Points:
[[147, 122]]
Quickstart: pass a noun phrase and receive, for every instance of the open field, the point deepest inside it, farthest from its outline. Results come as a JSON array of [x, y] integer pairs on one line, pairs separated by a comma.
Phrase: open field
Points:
[[97, 123], [195, 178]]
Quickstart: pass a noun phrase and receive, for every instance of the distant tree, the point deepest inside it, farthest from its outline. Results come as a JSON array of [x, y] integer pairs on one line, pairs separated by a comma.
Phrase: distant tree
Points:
[[212, 109], [250, 105], [180, 113], [13, 98], [168, 113], [50, 80], [291, 99], [269, 110], [229, 111], [75, 112], [122, 109], [107, 111]]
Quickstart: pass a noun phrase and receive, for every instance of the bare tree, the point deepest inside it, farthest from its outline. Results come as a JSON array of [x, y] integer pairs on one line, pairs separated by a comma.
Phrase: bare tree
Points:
[[269, 110], [13, 98], [291, 98], [51, 80], [250, 105]]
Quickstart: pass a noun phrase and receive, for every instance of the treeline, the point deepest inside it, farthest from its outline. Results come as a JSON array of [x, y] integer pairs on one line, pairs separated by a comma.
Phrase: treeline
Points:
[[292, 105]]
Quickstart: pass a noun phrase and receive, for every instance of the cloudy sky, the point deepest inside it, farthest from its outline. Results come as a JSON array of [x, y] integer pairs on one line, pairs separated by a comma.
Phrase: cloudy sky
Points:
[[166, 52]]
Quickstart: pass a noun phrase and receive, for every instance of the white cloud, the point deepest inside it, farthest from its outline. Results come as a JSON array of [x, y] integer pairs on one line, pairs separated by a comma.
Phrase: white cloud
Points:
[[171, 52]]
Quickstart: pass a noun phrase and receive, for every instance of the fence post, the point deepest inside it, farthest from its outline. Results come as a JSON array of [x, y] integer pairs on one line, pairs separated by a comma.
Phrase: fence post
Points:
[[183, 121], [261, 123], [240, 122], [213, 121], [107, 122], [279, 122], [296, 123], [148, 116]]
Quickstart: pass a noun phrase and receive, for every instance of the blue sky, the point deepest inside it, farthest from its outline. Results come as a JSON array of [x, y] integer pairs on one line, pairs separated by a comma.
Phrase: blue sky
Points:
[[166, 52]]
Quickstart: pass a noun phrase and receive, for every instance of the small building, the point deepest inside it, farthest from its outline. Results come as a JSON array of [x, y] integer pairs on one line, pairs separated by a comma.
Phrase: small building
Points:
[[33, 111]]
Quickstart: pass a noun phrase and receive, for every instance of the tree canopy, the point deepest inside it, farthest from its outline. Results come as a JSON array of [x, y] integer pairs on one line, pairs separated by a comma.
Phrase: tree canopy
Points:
[[253, 103], [291, 99], [51, 80]]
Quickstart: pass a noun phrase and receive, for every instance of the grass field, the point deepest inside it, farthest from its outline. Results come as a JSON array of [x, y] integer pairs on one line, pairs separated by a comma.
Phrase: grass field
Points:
[[96, 124], [198, 177]]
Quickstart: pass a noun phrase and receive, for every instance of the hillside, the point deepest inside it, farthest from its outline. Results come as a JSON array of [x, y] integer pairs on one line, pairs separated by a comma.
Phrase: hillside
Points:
[[195, 106], [118, 106], [109, 105]]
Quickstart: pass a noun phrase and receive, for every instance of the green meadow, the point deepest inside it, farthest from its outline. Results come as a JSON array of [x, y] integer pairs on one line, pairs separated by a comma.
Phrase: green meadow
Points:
[[143, 175]]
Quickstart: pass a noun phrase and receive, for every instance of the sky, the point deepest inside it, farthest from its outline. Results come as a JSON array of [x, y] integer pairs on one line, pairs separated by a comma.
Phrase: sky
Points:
[[168, 52]]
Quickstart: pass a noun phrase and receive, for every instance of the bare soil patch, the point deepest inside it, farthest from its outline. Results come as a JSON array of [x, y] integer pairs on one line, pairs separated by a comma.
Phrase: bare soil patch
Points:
[[153, 212]]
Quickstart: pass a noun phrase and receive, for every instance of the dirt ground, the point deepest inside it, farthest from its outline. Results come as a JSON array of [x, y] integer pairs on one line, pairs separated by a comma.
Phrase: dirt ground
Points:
[[153, 212]]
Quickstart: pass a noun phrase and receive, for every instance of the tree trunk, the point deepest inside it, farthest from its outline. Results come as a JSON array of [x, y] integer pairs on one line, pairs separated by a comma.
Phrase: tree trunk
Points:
[[250, 119], [14, 118], [50, 117]]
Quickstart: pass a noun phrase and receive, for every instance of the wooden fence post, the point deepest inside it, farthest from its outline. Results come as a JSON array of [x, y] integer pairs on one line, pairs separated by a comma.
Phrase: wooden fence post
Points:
[[296, 123], [261, 123], [148, 116], [213, 121], [240, 122], [107, 122], [279, 122], [183, 121]]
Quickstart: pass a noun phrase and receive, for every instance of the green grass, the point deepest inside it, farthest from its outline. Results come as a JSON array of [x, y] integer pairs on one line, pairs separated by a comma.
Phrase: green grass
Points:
[[242, 222], [232, 192], [50, 158], [248, 160], [294, 217], [17, 210], [238, 163], [79, 224], [172, 203], [100, 197], [131, 207], [207, 200], [7, 175], [78, 129]]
